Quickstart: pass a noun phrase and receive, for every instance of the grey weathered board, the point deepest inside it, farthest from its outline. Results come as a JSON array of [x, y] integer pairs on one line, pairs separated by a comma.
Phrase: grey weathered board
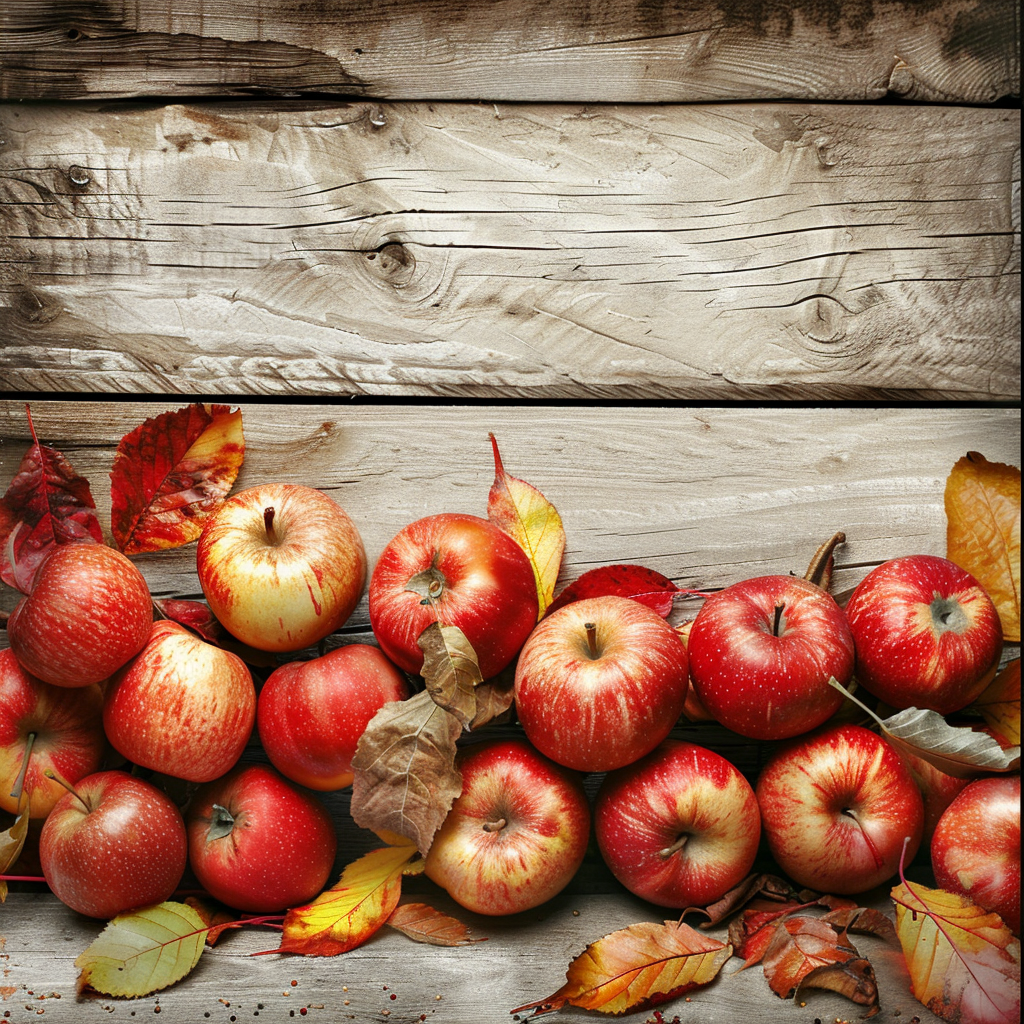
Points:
[[706, 496], [708, 251], [594, 50]]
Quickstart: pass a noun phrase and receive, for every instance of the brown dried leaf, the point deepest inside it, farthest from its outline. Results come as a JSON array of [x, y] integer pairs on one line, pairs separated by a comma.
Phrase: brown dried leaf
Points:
[[751, 933], [450, 670], [770, 886], [983, 531], [854, 979], [822, 564], [422, 923], [999, 705], [405, 778], [864, 921], [494, 697], [798, 946]]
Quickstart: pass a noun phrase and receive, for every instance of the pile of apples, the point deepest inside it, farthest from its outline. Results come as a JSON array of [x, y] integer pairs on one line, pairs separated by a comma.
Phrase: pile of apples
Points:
[[599, 685]]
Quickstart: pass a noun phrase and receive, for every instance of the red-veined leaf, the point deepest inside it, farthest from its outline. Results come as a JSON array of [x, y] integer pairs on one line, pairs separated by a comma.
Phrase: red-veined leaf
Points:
[[635, 581], [215, 916], [797, 947]]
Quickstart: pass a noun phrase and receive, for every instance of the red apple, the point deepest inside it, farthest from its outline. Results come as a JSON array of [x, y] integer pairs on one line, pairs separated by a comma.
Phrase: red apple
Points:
[[680, 827], [938, 790], [927, 634], [462, 571], [762, 652], [515, 836], [66, 731], [600, 683], [976, 847], [114, 844], [257, 843], [836, 807], [281, 565], [88, 613], [311, 714], [181, 706]]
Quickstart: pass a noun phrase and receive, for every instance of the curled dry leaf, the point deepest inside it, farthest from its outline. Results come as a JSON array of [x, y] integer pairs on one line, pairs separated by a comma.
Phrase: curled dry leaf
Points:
[[798, 946], [405, 778], [999, 705], [751, 933], [46, 505], [348, 913], [143, 951], [955, 750], [853, 978], [864, 921], [822, 564], [422, 923], [12, 842], [769, 887], [450, 670], [532, 522], [983, 531], [494, 697], [171, 473], [641, 584], [636, 967], [964, 962]]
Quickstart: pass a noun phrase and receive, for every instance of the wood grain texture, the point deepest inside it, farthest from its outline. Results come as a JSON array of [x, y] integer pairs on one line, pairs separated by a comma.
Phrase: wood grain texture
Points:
[[721, 251], [595, 50]]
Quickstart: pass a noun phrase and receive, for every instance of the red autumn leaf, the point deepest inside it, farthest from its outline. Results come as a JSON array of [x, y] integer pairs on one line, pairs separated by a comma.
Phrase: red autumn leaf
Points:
[[643, 585], [752, 931], [798, 946], [47, 504], [194, 615], [771, 887], [171, 473]]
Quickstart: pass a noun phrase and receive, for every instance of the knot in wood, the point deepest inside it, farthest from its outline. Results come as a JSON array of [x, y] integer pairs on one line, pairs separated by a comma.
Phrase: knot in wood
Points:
[[394, 263]]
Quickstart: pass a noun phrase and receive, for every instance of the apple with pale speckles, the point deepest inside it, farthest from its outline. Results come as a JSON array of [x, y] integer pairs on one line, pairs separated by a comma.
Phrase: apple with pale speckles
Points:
[[762, 652], [257, 843], [115, 843], [680, 827], [181, 706], [282, 566], [517, 833], [600, 682]]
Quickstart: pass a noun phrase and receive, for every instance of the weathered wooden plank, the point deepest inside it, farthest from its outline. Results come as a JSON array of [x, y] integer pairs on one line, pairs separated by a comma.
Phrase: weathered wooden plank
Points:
[[633, 51], [716, 252]]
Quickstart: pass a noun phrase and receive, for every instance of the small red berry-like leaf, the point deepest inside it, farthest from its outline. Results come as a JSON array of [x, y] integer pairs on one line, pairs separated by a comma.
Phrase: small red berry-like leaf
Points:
[[635, 581]]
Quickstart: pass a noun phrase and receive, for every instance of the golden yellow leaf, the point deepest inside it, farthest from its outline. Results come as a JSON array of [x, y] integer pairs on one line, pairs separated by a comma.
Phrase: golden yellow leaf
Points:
[[983, 531], [636, 967], [1000, 704], [964, 962], [348, 913], [532, 521]]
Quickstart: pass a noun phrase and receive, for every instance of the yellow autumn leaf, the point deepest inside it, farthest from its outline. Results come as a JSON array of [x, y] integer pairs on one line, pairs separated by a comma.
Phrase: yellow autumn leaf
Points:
[[1000, 704], [532, 522], [143, 951], [636, 967], [964, 963], [348, 913], [983, 531], [12, 840]]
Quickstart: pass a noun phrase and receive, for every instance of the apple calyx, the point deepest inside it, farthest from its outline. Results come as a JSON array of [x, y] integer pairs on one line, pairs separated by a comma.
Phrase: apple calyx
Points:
[[268, 526], [71, 789], [429, 583], [675, 847], [948, 615], [222, 823], [494, 826]]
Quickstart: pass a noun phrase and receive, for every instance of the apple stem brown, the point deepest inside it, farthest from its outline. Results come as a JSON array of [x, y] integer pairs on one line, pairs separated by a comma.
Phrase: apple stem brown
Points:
[[495, 826], [268, 524], [591, 629], [71, 789], [19, 783], [674, 848], [779, 609]]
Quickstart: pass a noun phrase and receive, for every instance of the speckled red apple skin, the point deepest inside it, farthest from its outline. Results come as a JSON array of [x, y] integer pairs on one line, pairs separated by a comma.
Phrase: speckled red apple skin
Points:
[[88, 613], [280, 852], [128, 851]]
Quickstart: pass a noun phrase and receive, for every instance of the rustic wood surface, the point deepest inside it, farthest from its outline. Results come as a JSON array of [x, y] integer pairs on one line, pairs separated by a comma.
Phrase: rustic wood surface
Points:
[[713, 252], [946, 50]]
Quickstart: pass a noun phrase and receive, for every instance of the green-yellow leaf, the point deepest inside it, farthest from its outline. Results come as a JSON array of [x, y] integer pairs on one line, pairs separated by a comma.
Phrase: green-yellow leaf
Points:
[[143, 951]]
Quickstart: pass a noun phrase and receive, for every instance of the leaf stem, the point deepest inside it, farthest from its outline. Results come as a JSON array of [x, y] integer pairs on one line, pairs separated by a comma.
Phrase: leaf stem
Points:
[[22, 878], [833, 682]]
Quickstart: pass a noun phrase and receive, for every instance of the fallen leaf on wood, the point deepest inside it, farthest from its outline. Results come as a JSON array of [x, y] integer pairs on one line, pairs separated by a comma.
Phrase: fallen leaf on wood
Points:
[[854, 979], [405, 778], [964, 962], [763, 885], [798, 946], [422, 923], [450, 670], [143, 951], [47, 505], [352, 910], [999, 705], [215, 916], [634, 581], [983, 531], [637, 967], [864, 921], [532, 522], [171, 473], [751, 933]]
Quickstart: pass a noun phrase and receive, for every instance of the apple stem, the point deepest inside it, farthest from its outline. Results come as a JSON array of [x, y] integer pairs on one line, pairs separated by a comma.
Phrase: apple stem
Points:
[[591, 629], [268, 524], [779, 609], [71, 789], [495, 826], [674, 848], [19, 784]]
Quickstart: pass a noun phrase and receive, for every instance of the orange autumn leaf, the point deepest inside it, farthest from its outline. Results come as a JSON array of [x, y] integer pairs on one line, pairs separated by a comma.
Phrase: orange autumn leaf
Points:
[[983, 531], [636, 967], [348, 913], [999, 705], [521, 511], [422, 923], [798, 946], [171, 473], [964, 962], [215, 916], [751, 932]]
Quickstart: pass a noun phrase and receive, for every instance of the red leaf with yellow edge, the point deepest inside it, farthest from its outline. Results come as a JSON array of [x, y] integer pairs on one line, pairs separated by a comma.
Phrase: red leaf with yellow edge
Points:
[[964, 962], [348, 913], [983, 531], [634, 581], [798, 946], [999, 705], [171, 473], [422, 923], [637, 967], [521, 511], [46, 505]]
